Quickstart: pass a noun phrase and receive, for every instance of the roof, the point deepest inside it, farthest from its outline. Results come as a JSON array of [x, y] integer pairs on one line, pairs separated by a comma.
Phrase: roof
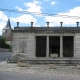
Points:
[[8, 25], [46, 29], [10, 37]]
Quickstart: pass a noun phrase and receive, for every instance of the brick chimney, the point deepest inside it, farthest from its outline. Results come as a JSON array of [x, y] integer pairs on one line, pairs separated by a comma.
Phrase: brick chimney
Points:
[[32, 24], [47, 24], [77, 24]]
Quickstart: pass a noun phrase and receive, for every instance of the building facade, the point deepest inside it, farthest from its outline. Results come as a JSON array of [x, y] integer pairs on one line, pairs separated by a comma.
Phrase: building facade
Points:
[[7, 29], [7, 33], [42, 42]]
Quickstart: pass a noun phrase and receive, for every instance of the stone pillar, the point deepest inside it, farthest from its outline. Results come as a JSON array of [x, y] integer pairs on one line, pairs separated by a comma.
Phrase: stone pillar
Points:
[[74, 47], [47, 46], [35, 47], [61, 46]]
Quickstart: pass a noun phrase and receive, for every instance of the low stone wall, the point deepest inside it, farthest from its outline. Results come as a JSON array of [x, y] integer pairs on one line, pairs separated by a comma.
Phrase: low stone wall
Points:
[[4, 50]]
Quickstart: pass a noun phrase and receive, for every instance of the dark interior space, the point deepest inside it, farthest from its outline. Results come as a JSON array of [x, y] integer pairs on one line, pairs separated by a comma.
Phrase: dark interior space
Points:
[[68, 46], [54, 45], [40, 46]]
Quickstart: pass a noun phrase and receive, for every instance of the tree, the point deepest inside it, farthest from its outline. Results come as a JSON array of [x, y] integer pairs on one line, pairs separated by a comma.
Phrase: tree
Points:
[[3, 43]]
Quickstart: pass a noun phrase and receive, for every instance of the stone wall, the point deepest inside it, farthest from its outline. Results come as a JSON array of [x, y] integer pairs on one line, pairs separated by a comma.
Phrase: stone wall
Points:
[[4, 50], [29, 38], [77, 45]]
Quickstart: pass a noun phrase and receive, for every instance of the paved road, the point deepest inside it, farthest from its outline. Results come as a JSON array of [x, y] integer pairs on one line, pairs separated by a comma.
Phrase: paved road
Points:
[[21, 76], [5, 55]]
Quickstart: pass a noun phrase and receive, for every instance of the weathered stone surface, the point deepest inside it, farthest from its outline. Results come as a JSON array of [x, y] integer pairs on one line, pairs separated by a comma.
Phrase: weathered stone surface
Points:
[[77, 45], [51, 66], [22, 64], [54, 55], [78, 66], [29, 48], [19, 56]]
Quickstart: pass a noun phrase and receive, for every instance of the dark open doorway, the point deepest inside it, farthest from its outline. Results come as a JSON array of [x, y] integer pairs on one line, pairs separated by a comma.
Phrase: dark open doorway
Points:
[[40, 46], [55, 49], [68, 46], [54, 45]]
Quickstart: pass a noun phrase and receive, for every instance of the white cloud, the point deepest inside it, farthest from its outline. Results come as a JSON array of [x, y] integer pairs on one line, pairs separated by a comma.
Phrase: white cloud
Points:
[[24, 19], [2, 25], [36, 25], [53, 2], [65, 17], [18, 8], [51, 24], [34, 6], [0, 32], [3, 18], [36, 2]]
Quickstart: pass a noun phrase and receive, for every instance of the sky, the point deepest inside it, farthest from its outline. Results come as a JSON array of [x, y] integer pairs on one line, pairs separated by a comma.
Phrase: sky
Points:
[[39, 12]]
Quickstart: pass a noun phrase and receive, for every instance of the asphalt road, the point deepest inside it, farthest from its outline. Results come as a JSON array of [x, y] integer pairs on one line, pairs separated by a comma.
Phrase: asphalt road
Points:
[[23, 76], [4, 75]]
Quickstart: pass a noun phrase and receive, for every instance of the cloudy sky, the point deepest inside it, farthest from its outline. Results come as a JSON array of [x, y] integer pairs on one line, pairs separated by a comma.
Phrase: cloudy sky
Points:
[[39, 11]]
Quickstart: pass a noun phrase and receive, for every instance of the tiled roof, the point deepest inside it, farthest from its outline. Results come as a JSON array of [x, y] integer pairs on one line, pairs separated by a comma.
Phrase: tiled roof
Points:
[[10, 37], [8, 25]]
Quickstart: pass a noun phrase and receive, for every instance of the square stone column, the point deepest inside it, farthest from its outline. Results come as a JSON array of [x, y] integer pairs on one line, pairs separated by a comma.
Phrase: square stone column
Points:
[[74, 47], [61, 46], [47, 46]]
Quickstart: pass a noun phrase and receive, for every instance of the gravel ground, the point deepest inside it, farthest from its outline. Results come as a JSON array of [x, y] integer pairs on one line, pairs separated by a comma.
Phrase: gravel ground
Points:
[[41, 69]]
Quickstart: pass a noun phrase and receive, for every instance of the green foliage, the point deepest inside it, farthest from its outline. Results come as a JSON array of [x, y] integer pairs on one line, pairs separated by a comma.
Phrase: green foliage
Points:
[[7, 46], [3, 43], [10, 48]]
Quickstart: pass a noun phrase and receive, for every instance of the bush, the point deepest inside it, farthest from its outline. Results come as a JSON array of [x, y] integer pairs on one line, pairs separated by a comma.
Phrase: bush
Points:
[[7, 46], [3, 43]]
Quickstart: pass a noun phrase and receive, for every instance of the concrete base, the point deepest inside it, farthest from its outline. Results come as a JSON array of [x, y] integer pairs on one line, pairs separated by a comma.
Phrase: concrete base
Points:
[[51, 66], [21, 64], [54, 55], [78, 66], [53, 59]]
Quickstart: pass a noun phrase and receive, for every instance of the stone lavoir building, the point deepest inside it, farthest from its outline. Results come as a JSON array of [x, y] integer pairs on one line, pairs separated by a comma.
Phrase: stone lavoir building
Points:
[[41, 42]]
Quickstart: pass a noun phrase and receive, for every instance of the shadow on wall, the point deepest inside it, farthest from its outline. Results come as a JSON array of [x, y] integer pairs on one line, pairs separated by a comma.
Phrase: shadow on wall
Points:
[[5, 55]]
